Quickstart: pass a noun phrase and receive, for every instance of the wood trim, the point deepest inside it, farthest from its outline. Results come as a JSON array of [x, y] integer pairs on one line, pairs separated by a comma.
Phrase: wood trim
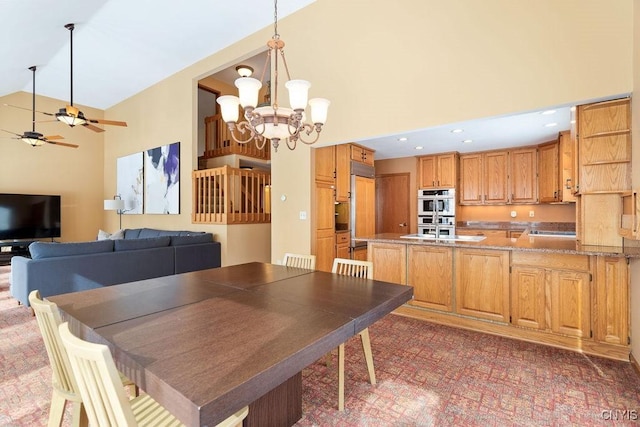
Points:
[[586, 346]]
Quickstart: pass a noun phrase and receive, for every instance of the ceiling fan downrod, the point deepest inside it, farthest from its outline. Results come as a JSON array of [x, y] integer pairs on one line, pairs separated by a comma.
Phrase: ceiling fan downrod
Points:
[[71, 27]]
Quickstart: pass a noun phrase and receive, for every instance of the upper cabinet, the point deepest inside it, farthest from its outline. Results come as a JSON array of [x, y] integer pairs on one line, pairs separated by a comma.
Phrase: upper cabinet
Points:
[[549, 176], [523, 175], [438, 171], [361, 154], [604, 139], [343, 172], [556, 170], [484, 178]]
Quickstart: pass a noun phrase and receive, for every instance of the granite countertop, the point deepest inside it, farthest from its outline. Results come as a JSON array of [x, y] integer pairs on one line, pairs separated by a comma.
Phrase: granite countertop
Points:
[[525, 242]]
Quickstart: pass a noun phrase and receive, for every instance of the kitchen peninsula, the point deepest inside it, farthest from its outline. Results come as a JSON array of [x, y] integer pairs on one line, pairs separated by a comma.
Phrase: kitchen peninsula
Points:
[[550, 290]]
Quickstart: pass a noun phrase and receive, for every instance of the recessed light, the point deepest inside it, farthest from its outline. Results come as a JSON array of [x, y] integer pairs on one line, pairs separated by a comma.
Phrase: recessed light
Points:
[[457, 130], [466, 141], [419, 147], [550, 125], [403, 138], [548, 112]]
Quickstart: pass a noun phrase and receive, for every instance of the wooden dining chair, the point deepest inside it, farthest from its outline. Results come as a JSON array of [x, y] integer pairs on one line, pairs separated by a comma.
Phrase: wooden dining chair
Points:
[[105, 400], [362, 269], [299, 261], [64, 386]]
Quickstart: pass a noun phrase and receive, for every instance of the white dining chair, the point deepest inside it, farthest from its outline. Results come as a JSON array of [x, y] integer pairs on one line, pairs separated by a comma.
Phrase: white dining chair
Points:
[[105, 400], [63, 382], [299, 261], [362, 269]]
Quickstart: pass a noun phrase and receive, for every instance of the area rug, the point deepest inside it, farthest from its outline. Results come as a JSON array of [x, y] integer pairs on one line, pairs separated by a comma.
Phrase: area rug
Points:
[[427, 375]]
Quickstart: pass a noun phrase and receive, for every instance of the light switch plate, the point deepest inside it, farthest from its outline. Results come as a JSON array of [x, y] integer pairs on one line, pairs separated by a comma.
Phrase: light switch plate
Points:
[[303, 215]]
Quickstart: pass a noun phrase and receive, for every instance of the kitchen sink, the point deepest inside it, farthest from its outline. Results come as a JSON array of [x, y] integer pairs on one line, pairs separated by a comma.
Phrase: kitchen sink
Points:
[[547, 233], [454, 238]]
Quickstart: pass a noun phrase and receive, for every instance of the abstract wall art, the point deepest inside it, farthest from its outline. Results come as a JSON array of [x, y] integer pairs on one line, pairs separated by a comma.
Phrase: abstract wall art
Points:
[[162, 179], [129, 182]]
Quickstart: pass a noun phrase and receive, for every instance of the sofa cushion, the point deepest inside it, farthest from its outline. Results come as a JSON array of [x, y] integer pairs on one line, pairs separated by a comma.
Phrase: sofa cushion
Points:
[[191, 239], [134, 244], [40, 250], [103, 235]]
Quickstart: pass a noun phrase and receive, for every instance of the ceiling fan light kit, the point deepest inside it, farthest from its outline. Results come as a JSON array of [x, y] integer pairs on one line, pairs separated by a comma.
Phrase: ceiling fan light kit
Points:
[[33, 138], [272, 121], [70, 115]]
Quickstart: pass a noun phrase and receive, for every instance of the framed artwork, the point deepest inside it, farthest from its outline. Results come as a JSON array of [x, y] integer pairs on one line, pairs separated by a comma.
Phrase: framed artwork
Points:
[[129, 182], [162, 179]]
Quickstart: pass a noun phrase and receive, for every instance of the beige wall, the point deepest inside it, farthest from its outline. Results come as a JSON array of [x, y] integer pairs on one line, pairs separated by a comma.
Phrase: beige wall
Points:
[[635, 133], [433, 63], [74, 173]]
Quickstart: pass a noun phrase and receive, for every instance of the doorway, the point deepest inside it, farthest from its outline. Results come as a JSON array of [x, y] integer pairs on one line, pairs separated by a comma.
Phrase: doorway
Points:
[[392, 203]]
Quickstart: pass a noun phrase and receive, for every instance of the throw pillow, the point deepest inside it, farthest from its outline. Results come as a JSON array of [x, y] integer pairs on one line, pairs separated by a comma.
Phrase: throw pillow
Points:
[[103, 235]]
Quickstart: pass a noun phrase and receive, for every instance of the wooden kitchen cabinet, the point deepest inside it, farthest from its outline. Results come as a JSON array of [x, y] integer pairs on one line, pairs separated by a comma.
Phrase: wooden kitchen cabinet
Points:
[[342, 245], [342, 172], [611, 309], [325, 164], [362, 154], [482, 283], [484, 178], [389, 262], [324, 226], [523, 175], [438, 171], [604, 138], [430, 272], [528, 297], [470, 191], [360, 254], [566, 147], [549, 172], [560, 283]]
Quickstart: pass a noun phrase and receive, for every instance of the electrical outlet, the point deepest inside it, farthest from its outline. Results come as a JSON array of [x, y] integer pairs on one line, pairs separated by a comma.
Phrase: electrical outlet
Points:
[[531, 214], [303, 215], [514, 214]]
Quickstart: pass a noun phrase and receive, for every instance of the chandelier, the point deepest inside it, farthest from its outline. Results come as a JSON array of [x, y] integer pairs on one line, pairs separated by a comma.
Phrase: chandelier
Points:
[[273, 122]]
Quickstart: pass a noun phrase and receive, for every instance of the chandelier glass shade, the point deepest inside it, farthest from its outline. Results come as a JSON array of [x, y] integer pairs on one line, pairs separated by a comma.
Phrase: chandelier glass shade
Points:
[[273, 122]]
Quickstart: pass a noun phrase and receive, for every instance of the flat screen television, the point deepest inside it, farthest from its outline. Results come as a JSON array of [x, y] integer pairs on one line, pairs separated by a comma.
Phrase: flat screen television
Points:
[[29, 216]]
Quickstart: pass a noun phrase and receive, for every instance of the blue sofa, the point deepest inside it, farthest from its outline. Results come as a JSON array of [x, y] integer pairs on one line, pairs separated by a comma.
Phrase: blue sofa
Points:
[[143, 253]]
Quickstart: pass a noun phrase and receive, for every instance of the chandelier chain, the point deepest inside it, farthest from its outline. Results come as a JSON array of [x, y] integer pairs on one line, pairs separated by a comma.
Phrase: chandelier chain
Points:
[[276, 36]]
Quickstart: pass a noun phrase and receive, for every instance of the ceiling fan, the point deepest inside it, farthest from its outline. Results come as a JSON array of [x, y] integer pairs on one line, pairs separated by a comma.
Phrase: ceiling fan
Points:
[[70, 114], [32, 137]]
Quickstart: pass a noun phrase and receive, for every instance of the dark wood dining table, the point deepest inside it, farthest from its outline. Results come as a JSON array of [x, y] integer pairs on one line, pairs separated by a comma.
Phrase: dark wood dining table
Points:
[[206, 343]]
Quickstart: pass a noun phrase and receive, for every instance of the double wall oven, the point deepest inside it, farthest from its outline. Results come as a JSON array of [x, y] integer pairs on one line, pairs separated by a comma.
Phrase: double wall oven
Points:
[[437, 212]]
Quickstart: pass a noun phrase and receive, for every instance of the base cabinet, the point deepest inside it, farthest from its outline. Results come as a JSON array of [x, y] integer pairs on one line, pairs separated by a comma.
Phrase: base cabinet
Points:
[[612, 301], [430, 272], [389, 262], [482, 284], [551, 292], [572, 301]]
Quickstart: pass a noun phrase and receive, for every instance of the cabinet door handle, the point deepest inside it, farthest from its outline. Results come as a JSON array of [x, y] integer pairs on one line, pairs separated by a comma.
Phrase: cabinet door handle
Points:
[[348, 194], [404, 224]]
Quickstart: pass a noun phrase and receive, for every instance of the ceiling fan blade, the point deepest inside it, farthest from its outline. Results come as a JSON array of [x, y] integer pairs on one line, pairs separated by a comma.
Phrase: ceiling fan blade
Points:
[[64, 144], [108, 122], [28, 109], [72, 110], [12, 133], [93, 128], [54, 137]]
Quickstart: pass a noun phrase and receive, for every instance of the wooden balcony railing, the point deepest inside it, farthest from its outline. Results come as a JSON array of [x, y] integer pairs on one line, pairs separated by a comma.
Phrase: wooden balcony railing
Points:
[[227, 195], [219, 142]]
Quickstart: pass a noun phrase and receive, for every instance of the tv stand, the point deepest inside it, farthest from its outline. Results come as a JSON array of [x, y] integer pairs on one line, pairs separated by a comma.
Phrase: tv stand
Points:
[[10, 249]]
